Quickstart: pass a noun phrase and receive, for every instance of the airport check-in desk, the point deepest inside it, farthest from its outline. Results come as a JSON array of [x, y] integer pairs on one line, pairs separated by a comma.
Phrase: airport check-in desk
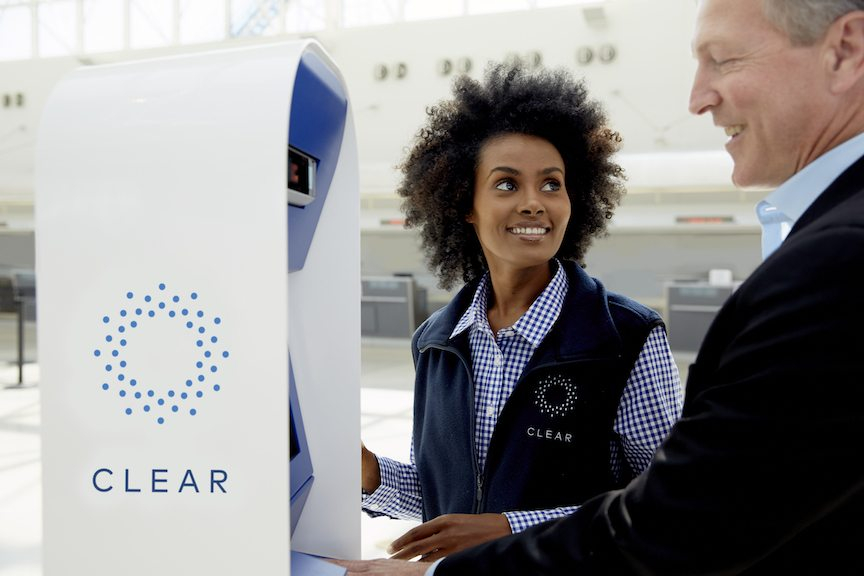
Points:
[[391, 306], [690, 309]]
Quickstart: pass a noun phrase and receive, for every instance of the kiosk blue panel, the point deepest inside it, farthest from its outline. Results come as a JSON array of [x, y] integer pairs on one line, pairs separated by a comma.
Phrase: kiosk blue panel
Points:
[[302, 479], [301, 463], [316, 126]]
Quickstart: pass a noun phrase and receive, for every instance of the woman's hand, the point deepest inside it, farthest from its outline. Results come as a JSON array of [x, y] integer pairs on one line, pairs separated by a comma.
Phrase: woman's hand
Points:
[[447, 534]]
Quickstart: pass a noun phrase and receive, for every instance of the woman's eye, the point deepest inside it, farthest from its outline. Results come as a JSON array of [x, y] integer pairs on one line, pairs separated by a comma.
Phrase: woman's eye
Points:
[[507, 185], [551, 186]]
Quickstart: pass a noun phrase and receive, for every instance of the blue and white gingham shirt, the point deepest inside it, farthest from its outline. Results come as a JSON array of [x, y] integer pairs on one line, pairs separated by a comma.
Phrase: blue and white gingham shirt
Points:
[[650, 403]]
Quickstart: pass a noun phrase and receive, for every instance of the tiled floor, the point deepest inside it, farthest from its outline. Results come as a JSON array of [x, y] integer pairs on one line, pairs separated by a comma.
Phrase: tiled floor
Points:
[[20, 458], [386, 380], [20, 474]]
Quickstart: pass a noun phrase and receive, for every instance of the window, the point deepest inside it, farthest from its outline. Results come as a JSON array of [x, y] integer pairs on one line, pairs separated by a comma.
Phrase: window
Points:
[[102, 22], [490, 6], [425, 10], [255, 17], [15, 31], [305, 16], [150, 23], [44, 28], [369, 12], [551, 3], [58, 28], [201, 21]]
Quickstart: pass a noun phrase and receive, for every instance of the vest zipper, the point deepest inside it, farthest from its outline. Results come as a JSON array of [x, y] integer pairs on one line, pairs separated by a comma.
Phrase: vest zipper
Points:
[[478, 500]]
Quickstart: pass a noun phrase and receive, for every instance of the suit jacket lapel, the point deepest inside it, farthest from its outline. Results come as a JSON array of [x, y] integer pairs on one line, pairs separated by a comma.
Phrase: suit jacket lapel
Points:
[[848, 184]]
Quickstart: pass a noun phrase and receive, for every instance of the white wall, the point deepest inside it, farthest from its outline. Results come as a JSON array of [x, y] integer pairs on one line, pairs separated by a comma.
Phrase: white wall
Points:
[[33, 80]]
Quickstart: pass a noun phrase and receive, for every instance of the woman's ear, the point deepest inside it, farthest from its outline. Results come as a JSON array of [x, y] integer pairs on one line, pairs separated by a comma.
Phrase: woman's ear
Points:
[[470, 217]]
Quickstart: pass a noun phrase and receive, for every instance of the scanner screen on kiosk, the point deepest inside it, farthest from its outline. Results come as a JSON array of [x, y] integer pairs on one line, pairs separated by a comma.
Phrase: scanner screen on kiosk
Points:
[[301, 177]]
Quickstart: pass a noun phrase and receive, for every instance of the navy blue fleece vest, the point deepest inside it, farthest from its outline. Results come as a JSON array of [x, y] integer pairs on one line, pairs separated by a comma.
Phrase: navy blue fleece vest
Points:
[[551, 444]]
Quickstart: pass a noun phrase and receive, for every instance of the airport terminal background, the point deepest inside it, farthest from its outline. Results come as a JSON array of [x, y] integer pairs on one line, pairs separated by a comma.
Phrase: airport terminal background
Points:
[[681, 218]]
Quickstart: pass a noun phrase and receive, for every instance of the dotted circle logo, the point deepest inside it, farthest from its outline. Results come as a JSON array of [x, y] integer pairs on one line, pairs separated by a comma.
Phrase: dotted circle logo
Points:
[[555, 396], [161, 400]]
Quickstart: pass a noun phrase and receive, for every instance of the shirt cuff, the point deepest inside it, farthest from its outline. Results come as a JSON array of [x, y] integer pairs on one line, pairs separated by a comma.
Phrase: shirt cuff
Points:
[[521, 520], [431, 570], [379, 502]]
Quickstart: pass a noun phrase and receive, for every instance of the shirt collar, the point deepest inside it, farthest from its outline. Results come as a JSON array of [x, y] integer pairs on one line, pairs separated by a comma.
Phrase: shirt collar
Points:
[[476, 312], [795, 195], [534, 324]]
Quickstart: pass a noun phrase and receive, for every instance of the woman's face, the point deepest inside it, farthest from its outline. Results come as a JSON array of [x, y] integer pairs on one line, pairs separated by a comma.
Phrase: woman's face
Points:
[[521, 207]]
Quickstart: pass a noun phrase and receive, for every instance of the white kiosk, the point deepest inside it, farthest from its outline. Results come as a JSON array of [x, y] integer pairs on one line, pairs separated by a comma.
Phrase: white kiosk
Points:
[[196, 218]]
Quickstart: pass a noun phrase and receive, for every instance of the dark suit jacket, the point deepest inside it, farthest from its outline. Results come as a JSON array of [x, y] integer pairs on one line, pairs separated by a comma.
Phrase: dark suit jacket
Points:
[[764, 473]]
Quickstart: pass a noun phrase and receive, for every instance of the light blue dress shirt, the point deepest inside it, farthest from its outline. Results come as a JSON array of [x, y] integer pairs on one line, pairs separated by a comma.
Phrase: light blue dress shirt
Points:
[[779, 211]]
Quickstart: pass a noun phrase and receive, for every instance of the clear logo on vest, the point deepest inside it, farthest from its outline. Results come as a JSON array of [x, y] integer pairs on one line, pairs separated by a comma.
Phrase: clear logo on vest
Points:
[[556, 396]]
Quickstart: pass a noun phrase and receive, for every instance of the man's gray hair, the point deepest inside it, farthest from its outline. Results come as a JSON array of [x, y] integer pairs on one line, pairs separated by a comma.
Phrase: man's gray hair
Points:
[[805, 21]]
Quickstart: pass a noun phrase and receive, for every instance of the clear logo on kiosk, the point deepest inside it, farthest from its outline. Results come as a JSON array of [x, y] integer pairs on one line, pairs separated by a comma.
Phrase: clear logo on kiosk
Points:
[[143, 334]]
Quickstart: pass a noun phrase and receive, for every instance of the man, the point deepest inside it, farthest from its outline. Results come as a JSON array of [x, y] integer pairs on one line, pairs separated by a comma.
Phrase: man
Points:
[[762, 474]]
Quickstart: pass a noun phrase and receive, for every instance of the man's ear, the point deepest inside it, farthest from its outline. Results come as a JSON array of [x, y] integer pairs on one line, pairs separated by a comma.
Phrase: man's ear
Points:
[[470, 217], [844, 44]]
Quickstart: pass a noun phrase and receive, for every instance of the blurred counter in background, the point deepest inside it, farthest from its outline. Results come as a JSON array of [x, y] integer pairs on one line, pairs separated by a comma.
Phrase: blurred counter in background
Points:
[[392, 307]]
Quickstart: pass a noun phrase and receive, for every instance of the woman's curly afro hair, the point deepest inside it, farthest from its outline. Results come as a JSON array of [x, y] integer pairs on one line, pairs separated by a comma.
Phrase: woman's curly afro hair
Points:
[[438, 170]]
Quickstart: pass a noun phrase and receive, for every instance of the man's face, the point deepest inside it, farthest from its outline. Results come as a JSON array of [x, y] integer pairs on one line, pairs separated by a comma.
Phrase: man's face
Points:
[[769, 96]]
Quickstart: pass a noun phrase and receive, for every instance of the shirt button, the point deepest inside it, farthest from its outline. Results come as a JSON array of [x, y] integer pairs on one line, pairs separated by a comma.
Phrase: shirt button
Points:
[[497, 360], [490, 411]]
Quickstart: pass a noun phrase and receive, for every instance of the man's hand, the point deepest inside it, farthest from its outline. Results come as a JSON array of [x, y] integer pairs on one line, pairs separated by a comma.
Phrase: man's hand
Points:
[[447, 534], [383, 567]]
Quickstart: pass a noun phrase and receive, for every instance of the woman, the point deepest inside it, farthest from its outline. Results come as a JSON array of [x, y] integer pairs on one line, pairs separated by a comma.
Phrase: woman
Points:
[[535, 387]]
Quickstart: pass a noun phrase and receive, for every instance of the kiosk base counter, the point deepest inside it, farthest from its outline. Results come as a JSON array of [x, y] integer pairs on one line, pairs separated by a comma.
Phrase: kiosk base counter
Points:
[[306, 565]]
